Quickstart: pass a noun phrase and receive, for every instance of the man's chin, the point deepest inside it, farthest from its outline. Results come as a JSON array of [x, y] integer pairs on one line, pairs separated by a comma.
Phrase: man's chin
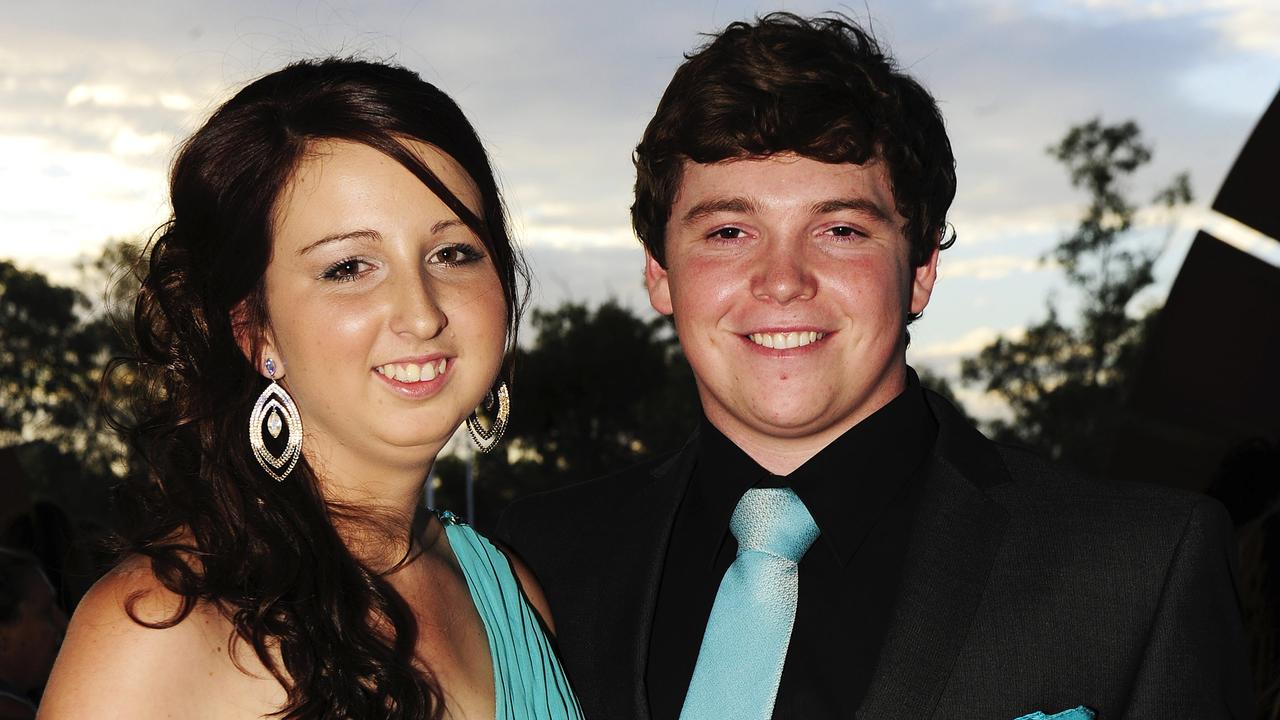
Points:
[[785, 415], [792, 427], [798, 416], [790, 423]]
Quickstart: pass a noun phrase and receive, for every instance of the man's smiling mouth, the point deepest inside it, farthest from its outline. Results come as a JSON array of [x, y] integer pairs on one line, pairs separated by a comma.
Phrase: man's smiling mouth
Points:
[[786, 340]]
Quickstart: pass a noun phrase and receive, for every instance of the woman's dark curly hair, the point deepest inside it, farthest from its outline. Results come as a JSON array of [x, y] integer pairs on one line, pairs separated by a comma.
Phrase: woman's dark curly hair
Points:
[[821, 88], [216, 528]]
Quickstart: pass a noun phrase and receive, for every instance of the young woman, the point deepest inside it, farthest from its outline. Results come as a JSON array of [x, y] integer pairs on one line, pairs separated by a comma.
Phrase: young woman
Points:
[[333, 296]]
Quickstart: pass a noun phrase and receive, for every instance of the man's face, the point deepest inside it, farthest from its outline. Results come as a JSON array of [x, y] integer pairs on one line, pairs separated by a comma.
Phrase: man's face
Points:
[[790, 283]]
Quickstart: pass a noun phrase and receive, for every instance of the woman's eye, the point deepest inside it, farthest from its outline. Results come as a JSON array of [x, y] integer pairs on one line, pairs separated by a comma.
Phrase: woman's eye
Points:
[[345, 270], [456, 255]]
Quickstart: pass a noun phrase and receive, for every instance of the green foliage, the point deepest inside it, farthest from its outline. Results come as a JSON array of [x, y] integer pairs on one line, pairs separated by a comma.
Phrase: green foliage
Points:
[[601, 389], [1065, 383], [55, 342], [941, 385], [45, 350]]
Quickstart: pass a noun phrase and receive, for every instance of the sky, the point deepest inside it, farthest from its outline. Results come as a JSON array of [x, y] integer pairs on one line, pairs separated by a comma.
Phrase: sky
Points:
[[95, 96]]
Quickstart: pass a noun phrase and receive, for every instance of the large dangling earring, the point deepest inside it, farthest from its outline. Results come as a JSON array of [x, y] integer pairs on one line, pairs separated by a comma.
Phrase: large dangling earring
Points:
[[486, 439], [275, 409]]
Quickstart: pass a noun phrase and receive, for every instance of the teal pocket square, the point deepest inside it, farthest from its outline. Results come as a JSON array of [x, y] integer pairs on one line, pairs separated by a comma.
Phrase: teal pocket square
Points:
[[1080, 713]]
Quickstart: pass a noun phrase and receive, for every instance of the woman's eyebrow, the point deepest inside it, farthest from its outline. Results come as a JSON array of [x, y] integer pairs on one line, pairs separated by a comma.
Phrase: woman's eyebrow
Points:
[[365, 235], [443, 225]]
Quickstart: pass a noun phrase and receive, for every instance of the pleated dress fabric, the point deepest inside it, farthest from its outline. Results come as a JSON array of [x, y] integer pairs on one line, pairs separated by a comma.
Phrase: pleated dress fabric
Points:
[[529, 683]]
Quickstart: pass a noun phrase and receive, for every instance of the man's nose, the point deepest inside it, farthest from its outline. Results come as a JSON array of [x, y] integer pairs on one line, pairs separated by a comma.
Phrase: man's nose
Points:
[[783, 273]]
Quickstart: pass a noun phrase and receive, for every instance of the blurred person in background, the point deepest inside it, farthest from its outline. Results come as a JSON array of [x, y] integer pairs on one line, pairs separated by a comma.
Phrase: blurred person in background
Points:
[[31, 629], [47, 531], [1247, 483]]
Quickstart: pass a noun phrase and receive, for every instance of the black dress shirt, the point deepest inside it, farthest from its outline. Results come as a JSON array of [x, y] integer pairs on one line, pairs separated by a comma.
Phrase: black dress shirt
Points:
[[855, 490]]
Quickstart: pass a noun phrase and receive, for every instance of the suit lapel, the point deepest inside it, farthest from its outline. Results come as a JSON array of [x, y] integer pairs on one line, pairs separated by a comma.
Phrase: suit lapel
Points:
[[957, 536], [643, 537]]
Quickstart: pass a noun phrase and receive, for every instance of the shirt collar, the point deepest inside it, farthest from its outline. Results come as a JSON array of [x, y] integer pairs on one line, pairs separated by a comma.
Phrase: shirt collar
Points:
[[846, 486]]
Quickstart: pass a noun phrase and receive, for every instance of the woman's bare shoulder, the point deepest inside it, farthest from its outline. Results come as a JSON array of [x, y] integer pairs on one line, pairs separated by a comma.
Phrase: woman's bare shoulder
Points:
[[115, 657]]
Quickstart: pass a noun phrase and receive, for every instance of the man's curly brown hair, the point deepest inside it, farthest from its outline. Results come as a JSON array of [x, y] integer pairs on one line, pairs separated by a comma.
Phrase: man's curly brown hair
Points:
[[821, 88]]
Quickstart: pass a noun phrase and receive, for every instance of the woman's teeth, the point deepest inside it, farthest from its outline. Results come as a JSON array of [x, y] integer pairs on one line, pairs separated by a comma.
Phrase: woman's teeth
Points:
[[412, 372]]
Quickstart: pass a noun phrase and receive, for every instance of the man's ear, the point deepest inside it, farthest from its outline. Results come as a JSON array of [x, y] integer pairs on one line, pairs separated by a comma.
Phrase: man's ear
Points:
[[655, 278], [256, 345], [922, 281]]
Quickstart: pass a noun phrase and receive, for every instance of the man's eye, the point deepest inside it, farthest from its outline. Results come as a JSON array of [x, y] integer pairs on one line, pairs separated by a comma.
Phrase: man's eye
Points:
[[728, 233], [843, 231], [345, 270]]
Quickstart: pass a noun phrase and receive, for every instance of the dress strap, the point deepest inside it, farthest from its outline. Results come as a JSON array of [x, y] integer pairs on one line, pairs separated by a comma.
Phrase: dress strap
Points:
[[528, 680]]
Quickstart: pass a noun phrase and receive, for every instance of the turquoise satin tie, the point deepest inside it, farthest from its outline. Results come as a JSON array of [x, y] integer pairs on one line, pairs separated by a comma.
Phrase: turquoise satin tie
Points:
[[740, 664]]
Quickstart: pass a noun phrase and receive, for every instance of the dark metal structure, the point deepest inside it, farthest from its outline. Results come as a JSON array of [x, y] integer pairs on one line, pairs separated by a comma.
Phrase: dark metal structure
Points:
[[1209, 382]]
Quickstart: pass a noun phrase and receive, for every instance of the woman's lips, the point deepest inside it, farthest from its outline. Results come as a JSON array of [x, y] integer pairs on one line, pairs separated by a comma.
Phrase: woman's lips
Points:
[[415, 380]]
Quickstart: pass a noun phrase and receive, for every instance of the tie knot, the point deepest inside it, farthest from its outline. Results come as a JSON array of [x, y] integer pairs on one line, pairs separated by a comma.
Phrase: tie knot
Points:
[[775, 521]]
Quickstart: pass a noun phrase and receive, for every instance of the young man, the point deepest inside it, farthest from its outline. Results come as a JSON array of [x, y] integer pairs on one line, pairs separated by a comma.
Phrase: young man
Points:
[[835, 540]]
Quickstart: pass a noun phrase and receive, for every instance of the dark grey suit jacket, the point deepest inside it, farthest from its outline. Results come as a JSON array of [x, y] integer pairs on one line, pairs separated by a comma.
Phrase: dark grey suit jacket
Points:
[[1025, 589]]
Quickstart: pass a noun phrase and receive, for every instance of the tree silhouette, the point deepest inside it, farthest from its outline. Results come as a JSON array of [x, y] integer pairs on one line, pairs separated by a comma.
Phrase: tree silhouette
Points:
[[1065, 382], [44, 351], [597, 390], [55, 342], [941, 385]]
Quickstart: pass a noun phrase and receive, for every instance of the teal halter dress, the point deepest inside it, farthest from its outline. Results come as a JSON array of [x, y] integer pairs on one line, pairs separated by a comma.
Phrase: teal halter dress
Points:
[[528, 682]]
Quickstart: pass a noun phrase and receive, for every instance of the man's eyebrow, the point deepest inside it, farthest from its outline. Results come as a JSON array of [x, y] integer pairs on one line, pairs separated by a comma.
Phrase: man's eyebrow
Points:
[[717, 205], [364, 235], [859, 205]]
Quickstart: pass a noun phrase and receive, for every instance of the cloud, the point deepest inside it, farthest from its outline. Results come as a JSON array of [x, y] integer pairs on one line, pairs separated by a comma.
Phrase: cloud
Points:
[[1036, 219], [1253, 26], [969, 343], [943, 358], [1012, 77], [126, 117], [109, 95], [988, 267], [65, 202], [982, 405], [589, 276], [1248, 24], [571, 237], [128, 142], [103, 95], [94, 96]]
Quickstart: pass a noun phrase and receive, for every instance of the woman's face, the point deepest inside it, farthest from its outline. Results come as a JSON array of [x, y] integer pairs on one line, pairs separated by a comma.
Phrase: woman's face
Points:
[[387, 318]]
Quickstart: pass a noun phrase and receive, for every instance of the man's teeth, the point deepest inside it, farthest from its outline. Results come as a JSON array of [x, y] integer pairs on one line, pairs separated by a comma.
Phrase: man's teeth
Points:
[[412, 372], [786, 341]]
